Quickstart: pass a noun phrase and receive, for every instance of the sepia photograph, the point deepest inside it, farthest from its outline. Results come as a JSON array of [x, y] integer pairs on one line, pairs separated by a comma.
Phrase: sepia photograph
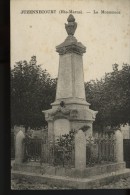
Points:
[[70, 94]]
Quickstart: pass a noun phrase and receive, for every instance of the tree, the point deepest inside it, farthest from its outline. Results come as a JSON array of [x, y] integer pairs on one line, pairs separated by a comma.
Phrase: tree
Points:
[[32, 91], [110, 96]]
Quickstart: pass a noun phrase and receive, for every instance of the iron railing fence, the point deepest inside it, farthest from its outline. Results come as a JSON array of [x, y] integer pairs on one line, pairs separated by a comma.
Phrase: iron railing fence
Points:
[[44, 151], [100, 149], [32, 149]]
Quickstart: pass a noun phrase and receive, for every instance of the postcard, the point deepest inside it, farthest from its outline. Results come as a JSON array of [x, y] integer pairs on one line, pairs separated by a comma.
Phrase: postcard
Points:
[[70, 66]]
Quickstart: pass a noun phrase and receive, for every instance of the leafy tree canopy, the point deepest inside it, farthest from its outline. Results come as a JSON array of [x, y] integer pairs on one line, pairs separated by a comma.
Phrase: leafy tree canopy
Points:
[[32, 91], [110, 96]]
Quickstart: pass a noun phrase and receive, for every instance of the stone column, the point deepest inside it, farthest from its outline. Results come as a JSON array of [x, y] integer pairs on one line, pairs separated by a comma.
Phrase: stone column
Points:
[[80, 150], [19, 148], [119, 146]]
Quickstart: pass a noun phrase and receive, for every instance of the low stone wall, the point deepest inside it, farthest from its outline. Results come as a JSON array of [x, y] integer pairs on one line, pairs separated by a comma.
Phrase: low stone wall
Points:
[[69, 172]]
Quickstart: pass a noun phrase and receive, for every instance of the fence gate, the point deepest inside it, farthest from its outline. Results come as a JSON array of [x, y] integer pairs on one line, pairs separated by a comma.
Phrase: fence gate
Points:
[[126, 147]]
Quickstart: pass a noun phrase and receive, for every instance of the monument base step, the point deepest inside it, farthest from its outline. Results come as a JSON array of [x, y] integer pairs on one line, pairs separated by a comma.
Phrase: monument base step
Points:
[[75, 183], [34, 167]]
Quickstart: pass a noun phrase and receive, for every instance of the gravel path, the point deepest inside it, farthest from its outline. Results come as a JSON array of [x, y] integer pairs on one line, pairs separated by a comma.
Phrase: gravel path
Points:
[[23, 184], [121, 184]]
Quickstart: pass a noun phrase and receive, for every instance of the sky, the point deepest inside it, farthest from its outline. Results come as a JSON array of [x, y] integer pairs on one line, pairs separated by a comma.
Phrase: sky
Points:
[[106, 36]]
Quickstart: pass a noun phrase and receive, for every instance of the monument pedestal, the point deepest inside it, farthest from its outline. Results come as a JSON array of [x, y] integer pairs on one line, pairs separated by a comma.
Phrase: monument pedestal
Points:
[[73, 116]]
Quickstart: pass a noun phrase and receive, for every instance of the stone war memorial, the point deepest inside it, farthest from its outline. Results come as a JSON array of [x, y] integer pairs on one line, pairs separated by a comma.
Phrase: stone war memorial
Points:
[[70, 109], [68, 153]]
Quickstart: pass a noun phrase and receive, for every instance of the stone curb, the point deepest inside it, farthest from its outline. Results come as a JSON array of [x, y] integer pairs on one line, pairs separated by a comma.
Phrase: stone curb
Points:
[[74, 183]]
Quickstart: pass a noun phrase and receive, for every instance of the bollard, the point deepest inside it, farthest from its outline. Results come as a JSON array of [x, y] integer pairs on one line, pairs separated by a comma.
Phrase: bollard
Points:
[[119, 146], [80, 150], [19, 147]]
